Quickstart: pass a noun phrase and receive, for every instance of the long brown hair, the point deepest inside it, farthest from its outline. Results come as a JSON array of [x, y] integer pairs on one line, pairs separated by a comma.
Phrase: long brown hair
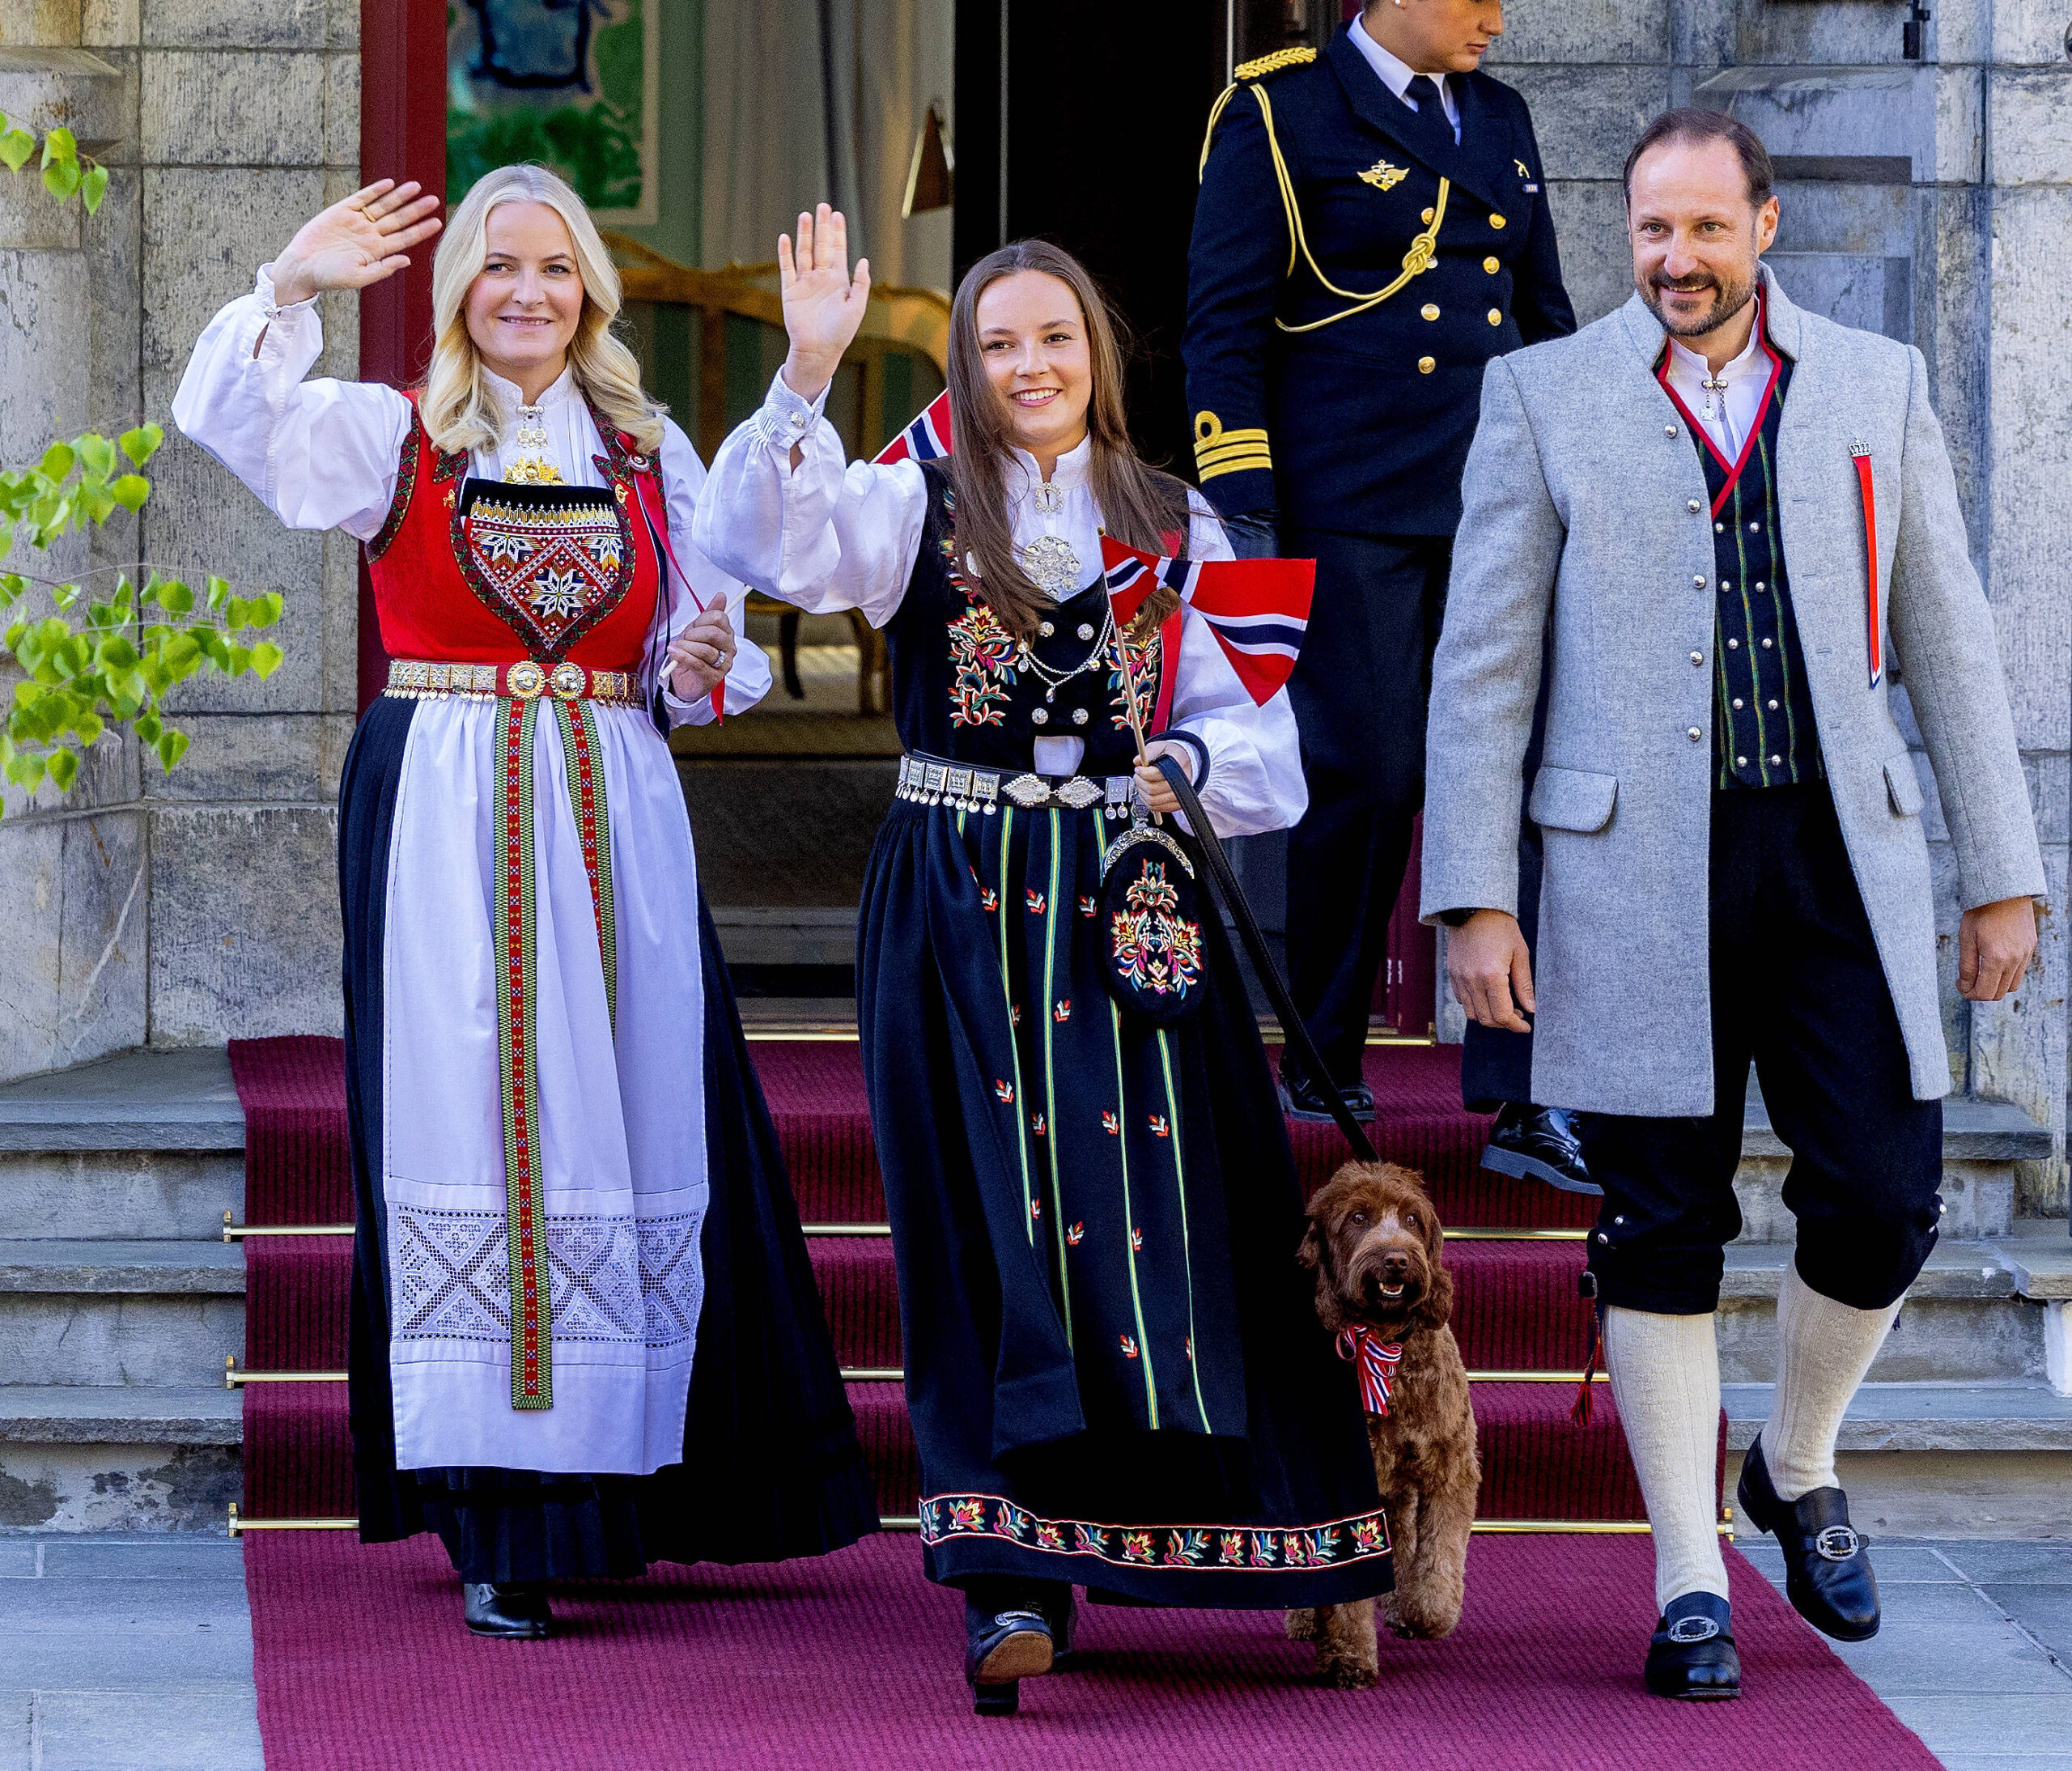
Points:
[[1139, 505]]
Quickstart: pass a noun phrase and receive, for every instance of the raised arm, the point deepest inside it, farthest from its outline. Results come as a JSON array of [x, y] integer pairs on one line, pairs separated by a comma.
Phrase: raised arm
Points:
[[319, 454], [783, 508]]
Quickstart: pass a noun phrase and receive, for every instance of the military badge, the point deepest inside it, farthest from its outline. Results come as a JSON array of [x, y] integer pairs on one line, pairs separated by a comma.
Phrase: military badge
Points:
[[1384, 177]]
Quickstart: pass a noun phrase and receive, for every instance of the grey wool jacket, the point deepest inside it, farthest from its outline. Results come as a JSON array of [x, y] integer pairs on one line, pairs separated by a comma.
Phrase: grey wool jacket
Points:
[[1586, 545]]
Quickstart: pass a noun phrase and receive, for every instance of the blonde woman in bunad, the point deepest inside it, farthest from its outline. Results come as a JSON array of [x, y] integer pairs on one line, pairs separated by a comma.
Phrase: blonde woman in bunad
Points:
[[1113, 1367], [584, 1331]]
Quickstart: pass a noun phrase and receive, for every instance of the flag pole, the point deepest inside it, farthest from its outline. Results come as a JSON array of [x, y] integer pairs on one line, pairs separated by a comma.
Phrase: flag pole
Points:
[[1129, 684]]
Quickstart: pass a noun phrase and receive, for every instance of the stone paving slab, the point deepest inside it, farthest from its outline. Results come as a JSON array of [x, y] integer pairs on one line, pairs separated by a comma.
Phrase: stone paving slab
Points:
[[2014, 1563], [2044, 1611], [70, 1266], [2017, 1723], [2004, 1761], [205, 1728], [144, 1558], [114, 1605]]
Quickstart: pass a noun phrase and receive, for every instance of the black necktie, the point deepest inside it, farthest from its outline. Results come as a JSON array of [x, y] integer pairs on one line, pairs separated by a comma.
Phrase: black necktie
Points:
[[1431, 109]]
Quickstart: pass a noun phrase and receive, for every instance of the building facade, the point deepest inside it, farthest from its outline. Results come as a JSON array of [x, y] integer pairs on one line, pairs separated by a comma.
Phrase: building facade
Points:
[[1928, 198]]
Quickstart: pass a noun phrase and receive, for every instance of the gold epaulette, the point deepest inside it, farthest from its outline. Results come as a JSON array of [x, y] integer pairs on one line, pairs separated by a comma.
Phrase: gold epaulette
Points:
[[1261, 65]]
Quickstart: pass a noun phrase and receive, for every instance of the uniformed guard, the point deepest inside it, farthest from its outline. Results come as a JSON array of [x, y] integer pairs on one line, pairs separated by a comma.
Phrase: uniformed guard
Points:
[[1372, 228]]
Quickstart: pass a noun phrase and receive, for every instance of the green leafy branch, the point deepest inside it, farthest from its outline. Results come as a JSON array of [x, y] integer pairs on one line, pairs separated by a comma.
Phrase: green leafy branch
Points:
[[65, 170], [113, 667]]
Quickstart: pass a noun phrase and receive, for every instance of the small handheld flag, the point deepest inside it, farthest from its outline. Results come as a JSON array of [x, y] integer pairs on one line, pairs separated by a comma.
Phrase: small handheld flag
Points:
[[927, 438], [1259, 609]]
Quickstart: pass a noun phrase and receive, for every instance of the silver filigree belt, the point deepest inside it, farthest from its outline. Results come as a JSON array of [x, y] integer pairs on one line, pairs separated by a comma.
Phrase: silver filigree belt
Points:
[[928, 780]]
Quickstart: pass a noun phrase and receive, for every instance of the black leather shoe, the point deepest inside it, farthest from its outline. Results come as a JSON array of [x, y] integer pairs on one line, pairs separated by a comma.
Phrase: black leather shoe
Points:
[[516, 1613], [1302, 1099], [1540, 1144], [1826, 1563], [1001, 1649], [1691, 1652], [1061, 1613]]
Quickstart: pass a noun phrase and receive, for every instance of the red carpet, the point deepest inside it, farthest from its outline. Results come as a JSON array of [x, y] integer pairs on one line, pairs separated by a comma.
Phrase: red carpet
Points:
[[851, 1661]]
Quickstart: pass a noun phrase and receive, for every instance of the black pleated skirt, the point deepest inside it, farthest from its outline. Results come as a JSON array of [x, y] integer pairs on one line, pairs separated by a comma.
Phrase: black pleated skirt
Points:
[[1114, 1365], [771, 1466]]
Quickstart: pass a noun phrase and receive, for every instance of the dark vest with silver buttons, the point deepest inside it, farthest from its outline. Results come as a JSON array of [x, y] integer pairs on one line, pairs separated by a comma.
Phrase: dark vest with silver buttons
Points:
[[963, 689], [1763, 729]]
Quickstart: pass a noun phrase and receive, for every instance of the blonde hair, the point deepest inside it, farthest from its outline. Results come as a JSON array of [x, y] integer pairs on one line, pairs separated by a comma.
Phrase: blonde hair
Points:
[[459, 413]]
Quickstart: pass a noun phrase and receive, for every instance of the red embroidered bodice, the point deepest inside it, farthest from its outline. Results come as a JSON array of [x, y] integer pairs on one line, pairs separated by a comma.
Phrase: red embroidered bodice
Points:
[[444, 592]]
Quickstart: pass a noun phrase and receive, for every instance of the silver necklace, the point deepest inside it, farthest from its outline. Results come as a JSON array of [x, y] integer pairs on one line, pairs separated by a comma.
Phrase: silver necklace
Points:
[[1055, 679]]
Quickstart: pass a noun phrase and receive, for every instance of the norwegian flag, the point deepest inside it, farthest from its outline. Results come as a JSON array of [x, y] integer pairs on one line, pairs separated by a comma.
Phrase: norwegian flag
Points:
[[1259, 609], [927, 438]]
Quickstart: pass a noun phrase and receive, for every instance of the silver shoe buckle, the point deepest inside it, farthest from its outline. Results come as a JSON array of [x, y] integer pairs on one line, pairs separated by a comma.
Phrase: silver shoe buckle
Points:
[[1691, 1629], [1838, 1542]]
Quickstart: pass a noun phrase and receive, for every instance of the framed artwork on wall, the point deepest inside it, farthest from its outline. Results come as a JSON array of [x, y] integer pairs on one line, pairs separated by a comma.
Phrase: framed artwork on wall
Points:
[[574, 84]]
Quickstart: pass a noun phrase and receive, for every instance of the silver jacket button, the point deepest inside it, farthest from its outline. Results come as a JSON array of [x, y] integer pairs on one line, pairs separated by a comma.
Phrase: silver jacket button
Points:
[[1694, 734], [1079, 716], [1699, 581], [1086, 629], [1040, 716], [1694, 507]]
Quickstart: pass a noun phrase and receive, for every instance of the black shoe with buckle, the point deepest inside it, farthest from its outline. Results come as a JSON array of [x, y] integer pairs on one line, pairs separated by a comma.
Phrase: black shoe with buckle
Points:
[[1691, 1653], [1540, 1144], [1826, 1563], [1001, 1649], [514, 1612], [1060, 1610], [1302, 1099]]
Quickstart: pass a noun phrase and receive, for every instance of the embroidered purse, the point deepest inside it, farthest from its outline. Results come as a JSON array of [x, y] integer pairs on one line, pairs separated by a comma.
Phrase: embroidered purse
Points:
[[1150, 924]]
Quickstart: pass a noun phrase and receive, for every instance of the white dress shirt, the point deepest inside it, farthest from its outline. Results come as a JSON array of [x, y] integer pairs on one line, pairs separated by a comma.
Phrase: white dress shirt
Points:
[[833, 534], [1727, 415], [321, 453], [1397, 73]]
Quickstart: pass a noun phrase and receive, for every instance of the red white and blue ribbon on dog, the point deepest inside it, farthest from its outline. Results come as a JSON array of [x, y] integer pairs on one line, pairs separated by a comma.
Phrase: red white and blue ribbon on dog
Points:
[[1259, 609], [1377, 1360], [1860, 452]]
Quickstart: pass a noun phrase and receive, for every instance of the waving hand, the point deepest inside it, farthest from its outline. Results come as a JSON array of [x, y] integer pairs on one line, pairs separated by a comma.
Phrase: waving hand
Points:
[[360, 240], [823, 303]]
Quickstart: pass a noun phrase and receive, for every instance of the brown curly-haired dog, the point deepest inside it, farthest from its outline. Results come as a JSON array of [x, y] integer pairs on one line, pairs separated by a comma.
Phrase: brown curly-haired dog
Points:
[[1377, 1246]]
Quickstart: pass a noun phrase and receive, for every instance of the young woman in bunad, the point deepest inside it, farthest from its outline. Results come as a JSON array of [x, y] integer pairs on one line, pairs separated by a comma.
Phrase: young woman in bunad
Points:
[[1113, 1368], [584, 1330]]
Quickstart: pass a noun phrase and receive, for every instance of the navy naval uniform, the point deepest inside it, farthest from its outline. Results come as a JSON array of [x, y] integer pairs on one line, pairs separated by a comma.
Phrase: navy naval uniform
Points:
[[1353, 270]]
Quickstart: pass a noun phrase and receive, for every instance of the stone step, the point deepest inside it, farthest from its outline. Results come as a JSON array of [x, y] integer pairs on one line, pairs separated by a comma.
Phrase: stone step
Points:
[[107, 1458], [119, 1314], [1966, 1319], [142, 1144], [1940, 1459]]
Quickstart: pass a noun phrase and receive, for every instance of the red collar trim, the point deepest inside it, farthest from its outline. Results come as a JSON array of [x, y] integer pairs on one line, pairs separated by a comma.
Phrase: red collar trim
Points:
[[1732, 469]]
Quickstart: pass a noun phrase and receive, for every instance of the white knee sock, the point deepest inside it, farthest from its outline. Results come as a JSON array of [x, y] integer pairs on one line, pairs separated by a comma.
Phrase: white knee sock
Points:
[[1824, 1349], [1664, 1378]]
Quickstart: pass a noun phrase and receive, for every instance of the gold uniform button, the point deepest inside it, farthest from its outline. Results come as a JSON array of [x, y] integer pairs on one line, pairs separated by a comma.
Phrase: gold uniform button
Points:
[[1495, 221], [1491, 266], [1427, 217], [1426, 365], [1496, 316], [1429, 311]]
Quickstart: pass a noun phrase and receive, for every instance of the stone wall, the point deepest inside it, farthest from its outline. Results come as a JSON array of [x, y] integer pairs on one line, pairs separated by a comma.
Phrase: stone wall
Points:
[[149, 909]]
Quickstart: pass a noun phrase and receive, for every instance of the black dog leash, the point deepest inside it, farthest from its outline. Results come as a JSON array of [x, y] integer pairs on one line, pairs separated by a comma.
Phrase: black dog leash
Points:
[[1295, 1035]]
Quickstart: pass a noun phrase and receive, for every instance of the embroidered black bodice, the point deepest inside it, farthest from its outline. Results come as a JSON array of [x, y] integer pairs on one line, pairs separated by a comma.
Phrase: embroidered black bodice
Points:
[[962, 689]]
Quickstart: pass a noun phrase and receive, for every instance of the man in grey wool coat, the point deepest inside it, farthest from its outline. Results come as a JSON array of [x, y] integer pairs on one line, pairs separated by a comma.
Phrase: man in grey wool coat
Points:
[[1722, 525]]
